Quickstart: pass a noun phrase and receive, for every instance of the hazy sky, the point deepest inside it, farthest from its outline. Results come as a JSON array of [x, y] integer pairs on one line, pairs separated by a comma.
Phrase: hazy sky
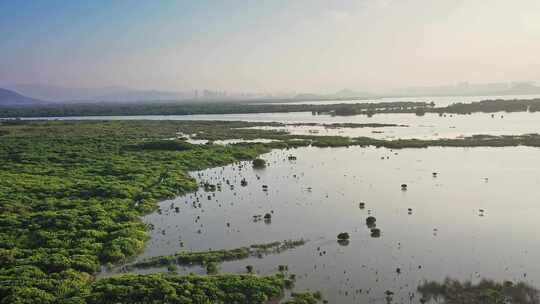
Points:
[[268, 45]]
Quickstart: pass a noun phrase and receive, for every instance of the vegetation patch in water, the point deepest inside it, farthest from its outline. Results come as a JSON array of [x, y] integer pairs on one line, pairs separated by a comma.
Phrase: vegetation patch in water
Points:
[[346, 125], [218, 256], [259, 163], [305, 298], [486, 291]]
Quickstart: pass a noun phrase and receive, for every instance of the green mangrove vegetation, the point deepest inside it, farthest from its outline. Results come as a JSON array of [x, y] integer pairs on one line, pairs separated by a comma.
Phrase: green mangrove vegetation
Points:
[[168, 288], [218, 256], [71, 198], [259, 163], [72, 195], [305, 298]]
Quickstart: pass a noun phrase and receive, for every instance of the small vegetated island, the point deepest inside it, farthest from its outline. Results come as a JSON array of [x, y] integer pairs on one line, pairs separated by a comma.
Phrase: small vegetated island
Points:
[[72, 195], [218, 256]]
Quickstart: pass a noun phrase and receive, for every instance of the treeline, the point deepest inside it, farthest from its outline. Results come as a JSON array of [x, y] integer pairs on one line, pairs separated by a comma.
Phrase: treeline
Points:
[[419, 108], [529, 140], [107, 109], [492, 106]]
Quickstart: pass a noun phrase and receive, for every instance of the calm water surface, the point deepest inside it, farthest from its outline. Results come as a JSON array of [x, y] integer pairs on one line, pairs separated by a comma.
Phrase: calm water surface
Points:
[[424, 127], [429, 126], [318, 195], [440, 101]]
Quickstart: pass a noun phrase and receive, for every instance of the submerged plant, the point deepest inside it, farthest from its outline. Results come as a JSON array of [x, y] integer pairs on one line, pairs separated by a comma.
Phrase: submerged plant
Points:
[[370, 221], [304, 298], [343, 236], [259, 163], [218, 256], [375, 232], [212, 268]]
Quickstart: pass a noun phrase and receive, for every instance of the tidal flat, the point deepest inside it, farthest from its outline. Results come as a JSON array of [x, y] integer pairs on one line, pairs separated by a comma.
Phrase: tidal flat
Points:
[[83, 200]]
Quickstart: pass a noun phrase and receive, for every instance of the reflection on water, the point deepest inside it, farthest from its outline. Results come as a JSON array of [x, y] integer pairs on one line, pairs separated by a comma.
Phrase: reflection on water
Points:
[[465, 213], [484, 292]]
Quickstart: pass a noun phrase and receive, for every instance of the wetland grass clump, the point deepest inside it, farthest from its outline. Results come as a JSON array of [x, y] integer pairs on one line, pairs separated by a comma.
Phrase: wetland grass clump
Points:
[[343, 236], [172, 268], [209, 187], [169, 288], [259, 163], [305, 298], [205, 258], [290, 280], [212, 268], [277, 247], [375, 232], [289, 284], [161, 145], [331, 141], [214, 256], [370, 221]]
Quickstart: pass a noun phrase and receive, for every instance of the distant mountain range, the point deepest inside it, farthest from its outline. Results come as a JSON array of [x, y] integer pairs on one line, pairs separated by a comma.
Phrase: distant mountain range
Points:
[[12, 98], [29, 94], [461, 89], [105, 94]]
